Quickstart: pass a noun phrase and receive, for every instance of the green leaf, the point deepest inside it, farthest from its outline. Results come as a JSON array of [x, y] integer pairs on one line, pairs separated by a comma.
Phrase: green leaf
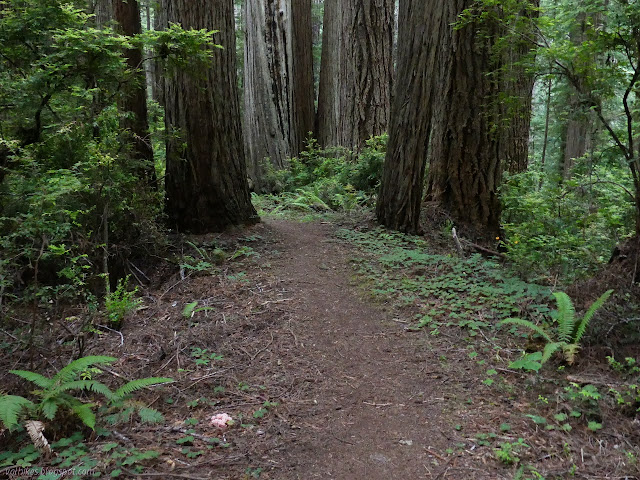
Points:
[[188, 309], [530, 325], [529, 361], [594, 426], [39, 380], [584, 323], [566, 317], [69, 372], [85, 413], [150, 415], [134, 385], [538, 420], [10, 408]]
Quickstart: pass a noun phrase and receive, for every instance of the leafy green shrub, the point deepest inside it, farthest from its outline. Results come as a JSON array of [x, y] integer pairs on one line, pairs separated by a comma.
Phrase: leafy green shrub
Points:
[[328, 180], [567, 228], [121, 302], [70, 184], [53, 394]]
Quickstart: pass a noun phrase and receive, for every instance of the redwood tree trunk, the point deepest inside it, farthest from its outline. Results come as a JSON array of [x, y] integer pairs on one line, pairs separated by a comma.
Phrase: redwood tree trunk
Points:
[[578, 135], [206, 180], [127, 14], [517, 86], [400, 196], [356, 72], [278, 83], [159, 23], [465, 170]]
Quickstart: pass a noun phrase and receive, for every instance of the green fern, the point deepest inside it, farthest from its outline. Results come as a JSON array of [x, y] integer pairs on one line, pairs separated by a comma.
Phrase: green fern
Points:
[[135, 385], [566, 317], [91, 385], [54, 394], [568, 333], [11, 406], [70, 372], [39, 380], [530, 325], [584, 323], [84, 411], [150, 415], [549, 350], [49, 407]]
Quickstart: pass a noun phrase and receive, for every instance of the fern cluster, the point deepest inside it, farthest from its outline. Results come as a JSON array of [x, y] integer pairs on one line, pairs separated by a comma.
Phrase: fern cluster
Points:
[[569, 331], [54, 394]]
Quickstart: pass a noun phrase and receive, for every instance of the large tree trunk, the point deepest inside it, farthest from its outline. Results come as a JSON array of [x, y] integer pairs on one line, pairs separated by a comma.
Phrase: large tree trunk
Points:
[[157, 84], [465, 170], [206, 181], [278, 83], [103, 11], [127, 14], [398, 205], [357, 71], [579, 130], [317, 13], [517, 88]]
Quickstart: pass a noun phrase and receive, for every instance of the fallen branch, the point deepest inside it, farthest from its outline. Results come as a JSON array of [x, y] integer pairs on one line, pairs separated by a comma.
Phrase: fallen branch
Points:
[[485, 251]]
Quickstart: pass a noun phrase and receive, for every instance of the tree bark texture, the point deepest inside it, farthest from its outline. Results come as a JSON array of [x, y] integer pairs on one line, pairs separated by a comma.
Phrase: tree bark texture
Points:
[[517, 87], [398, 205], [278, 83], [356, 73], [580, 127], [157, 84], [103, 11], [465, 170], [127, 14], [206, 179]]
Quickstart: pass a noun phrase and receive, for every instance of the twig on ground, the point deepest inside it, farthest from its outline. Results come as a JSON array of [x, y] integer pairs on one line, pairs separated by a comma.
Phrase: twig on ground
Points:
[[139, 271], [263, 349], [114, 331], [276, 301], [115, 374]]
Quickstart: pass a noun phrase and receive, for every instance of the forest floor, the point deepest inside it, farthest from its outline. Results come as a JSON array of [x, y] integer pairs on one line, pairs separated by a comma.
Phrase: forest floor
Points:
[[325, 381]]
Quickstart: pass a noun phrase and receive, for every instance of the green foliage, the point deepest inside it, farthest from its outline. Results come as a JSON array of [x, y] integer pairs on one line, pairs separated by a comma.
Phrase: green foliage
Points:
[[628, 368], [10, 408], [202, 356], [566, 335], [443, 289], [69, 183], [327, 180], [54, 393], [567, 228], [121, 302], [565, 215], [509, 452]]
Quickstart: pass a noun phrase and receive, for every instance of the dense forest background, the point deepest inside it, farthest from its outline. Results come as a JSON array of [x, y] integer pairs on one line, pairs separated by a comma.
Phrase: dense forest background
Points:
[[130, 130], [524, 130]]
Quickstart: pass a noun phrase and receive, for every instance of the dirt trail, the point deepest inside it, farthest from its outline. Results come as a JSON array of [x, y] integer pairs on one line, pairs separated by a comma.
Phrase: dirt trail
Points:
[[375, 405]]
